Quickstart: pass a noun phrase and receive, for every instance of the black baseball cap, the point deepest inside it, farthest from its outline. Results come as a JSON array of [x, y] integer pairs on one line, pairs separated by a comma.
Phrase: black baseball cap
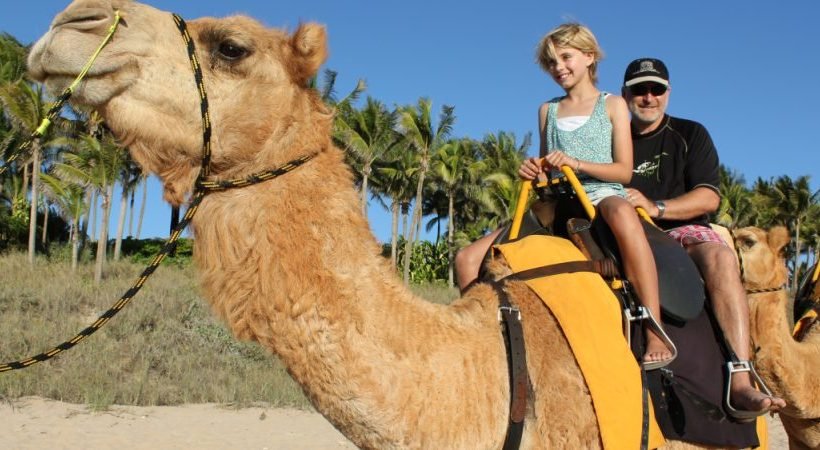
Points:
[[646, 69]]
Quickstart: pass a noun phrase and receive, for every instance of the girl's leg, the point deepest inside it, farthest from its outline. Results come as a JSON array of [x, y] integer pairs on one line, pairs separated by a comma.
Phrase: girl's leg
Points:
[[469, 259], [639, 264]]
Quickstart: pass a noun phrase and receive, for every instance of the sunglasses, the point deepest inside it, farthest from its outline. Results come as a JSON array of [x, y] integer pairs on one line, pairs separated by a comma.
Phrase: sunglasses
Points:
[[641, 89]]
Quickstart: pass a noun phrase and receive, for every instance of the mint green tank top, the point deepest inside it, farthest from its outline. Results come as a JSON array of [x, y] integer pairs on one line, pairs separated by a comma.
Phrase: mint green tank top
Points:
[[591, 142]]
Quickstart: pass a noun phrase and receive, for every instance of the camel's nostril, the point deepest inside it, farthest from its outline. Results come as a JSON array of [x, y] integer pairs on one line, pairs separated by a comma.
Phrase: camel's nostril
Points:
[[83, 20]]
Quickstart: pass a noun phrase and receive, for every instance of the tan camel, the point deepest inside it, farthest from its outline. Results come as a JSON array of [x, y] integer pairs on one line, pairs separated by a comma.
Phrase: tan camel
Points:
[[790, 368], [291, 263]]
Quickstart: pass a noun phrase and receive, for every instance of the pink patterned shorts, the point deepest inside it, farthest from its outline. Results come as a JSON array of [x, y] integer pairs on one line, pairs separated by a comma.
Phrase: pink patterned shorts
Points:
[[694, 234]]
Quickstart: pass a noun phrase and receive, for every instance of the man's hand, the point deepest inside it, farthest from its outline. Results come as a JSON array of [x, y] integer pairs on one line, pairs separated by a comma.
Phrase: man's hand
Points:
[[637, 199]]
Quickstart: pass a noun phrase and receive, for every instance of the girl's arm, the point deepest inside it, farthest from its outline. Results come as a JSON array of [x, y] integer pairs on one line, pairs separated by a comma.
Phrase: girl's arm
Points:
[[531, 167], [620, 170]]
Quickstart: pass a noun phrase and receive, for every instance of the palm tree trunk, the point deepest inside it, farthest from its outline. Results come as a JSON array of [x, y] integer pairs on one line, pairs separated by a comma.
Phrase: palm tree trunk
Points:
[[75, 245], [46, 211], [450, 235], [89, 194], [35, 178], [121, 224], [408, 244], [102, 241], [365, 174], [394, 232], [795, 274], [131, 212], [92, 212], [142, 206]]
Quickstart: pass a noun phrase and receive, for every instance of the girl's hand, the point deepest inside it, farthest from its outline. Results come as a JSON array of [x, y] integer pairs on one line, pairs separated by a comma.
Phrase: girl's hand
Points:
[[530, 169], [557, 158]]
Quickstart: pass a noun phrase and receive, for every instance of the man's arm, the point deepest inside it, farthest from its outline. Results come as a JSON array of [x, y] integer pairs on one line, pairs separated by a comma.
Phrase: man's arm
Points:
[[699, 201]]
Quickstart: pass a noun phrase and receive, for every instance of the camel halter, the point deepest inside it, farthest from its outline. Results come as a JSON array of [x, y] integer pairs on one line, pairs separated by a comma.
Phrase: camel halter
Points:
[[202, 187], [743, 272]]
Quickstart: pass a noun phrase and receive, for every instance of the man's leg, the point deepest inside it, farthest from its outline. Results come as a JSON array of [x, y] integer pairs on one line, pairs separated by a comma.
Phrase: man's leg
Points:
[[468, 259], [718, 267]]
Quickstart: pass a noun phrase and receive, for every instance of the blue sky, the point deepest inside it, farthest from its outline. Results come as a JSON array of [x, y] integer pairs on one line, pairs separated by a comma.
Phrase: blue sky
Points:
[[746, 70]]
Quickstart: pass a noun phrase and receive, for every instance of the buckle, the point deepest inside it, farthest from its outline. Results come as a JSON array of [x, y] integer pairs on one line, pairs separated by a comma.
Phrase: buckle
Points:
[[509, 310]]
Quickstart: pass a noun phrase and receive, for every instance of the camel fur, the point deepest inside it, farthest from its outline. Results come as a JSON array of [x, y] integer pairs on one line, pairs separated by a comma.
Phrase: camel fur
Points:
[[791, 369], [291, 263]]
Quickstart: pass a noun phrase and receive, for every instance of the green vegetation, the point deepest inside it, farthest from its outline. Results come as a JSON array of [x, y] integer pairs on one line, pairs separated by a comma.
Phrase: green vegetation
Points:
[[164, 348]]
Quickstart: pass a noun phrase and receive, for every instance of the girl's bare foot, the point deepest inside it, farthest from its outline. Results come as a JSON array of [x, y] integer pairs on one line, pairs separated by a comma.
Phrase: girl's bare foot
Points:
[[656, 351]]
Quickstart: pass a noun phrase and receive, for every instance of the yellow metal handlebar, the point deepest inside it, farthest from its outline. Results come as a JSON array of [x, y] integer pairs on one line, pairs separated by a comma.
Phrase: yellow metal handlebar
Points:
[[526, 187]]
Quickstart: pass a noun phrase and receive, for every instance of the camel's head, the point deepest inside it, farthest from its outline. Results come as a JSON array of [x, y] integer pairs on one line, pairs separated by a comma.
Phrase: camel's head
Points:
[[764, 265], [262, 110]]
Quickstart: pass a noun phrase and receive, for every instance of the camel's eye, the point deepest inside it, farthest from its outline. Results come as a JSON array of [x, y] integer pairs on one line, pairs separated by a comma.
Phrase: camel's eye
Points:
[[747, 242], [230, 51]]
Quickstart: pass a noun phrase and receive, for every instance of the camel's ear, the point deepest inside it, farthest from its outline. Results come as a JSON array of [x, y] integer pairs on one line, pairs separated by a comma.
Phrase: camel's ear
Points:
[[309, 46], [778, 238]]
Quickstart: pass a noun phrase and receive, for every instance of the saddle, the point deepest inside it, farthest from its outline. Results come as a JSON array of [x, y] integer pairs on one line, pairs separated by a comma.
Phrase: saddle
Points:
[[687, 395], [559, 213]]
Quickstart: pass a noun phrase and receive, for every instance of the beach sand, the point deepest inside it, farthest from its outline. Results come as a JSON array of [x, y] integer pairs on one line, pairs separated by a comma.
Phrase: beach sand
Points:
[[36, 423]]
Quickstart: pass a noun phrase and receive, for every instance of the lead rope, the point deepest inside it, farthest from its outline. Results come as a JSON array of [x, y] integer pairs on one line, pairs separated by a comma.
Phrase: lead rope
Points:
[[202, 187]]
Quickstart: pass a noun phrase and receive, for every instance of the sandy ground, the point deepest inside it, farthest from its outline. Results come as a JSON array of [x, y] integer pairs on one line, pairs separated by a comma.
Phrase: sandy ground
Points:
[[36, 423]]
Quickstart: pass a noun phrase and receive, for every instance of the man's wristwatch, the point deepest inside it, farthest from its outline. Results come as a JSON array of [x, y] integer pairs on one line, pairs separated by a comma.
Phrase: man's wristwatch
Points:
[[661, 208]]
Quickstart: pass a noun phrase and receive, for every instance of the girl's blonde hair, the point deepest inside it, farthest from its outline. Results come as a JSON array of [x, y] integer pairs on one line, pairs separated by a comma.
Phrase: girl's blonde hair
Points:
[[572, 35]]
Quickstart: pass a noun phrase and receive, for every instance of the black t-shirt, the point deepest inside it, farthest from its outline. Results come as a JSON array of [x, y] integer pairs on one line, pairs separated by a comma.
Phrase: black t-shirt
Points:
[[673, 160]]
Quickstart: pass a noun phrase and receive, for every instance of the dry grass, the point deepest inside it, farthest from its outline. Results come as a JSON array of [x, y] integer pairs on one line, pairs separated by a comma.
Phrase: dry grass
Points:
[[165, 348]]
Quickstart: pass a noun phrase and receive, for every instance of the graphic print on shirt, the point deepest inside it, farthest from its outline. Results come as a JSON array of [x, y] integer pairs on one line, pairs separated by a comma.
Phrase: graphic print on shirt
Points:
[[649, 168]]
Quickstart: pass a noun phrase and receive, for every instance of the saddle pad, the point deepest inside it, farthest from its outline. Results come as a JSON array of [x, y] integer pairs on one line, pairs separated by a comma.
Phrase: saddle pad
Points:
[[590, 317]]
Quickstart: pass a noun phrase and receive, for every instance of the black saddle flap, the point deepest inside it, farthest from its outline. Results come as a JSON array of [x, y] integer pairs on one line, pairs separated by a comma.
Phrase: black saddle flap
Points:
[[681, 288]]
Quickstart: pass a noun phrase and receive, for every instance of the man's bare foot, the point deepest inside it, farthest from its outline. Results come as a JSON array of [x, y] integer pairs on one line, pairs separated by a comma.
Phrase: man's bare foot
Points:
[[747, 398], [656, 351]]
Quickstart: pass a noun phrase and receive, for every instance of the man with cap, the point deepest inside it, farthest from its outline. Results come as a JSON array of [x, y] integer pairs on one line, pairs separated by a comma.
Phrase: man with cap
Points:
[[676, 180]]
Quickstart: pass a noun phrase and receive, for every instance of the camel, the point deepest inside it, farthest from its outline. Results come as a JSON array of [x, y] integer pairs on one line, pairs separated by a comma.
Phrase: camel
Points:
[[791, 369], [291, 263]]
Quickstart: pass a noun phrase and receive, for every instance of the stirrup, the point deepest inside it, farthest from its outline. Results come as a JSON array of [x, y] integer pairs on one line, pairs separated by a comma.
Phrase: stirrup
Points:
[[644, 314], [741, 415]]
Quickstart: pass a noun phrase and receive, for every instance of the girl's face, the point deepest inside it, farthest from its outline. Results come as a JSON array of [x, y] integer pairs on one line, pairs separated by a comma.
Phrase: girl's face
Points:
[[570, 67]]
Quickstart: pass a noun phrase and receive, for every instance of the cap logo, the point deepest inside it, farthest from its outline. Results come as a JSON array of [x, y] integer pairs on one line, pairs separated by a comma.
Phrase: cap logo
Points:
[[647, 66]]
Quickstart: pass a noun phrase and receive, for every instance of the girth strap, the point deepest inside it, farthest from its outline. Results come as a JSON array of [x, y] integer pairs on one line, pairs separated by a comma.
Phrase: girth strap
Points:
[[510, 316], [596, 266]]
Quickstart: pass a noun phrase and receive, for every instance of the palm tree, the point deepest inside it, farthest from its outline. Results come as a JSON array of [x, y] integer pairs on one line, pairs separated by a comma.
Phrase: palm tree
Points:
[[416, 125], [790, 203], [25, 109], [736, 207], [394, 178], [366, 135], [71, 201], [453, 167], [130, 174], [95, 162]]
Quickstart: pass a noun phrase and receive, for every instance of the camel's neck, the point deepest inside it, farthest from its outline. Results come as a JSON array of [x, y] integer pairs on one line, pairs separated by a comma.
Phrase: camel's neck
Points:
[[292, 264], [769, 323]]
